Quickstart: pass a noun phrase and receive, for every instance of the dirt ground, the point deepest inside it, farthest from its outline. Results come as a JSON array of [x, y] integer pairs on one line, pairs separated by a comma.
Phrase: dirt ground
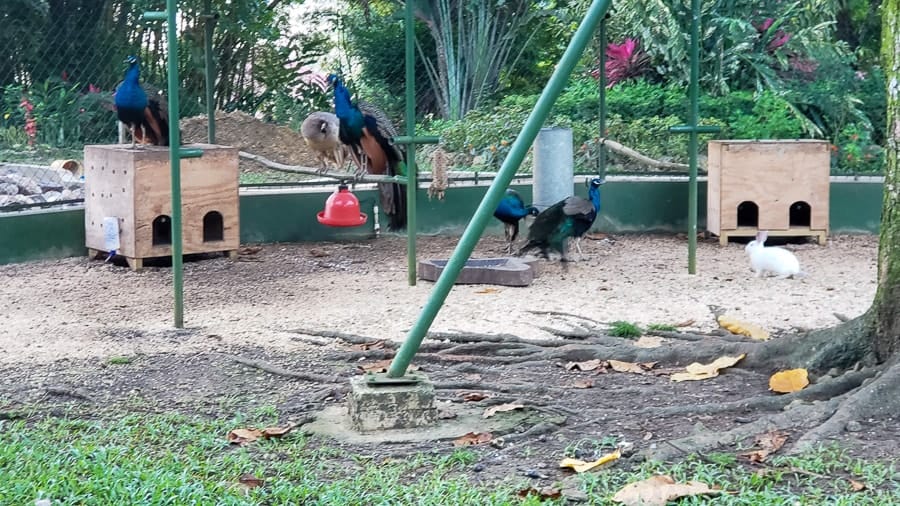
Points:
[[62, 321], [247, 133]]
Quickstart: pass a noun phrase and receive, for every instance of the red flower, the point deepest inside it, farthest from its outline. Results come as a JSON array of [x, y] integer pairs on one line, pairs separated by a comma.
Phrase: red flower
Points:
[[93, 89]]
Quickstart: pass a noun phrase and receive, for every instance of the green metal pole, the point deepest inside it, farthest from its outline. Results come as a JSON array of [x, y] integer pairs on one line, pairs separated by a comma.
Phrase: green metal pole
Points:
[[209, 27], [693, 121], [412, 180], [175, 160], [601, 166], [495, 192]]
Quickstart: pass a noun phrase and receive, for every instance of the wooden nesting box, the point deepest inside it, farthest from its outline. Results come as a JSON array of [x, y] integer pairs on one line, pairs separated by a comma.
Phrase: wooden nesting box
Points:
[[134, 187], [781, 186]]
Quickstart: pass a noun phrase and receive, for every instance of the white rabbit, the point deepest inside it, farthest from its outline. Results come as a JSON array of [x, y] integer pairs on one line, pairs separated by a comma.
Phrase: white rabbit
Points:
[[778, 261]]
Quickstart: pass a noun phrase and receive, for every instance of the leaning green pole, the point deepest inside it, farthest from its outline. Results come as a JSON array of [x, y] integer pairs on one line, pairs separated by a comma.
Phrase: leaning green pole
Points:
[[411, 177], [495, 192]]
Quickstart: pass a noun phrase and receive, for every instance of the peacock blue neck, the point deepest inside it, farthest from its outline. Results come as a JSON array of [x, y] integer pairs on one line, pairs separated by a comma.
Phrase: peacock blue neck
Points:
[[133, 74], [345, 111], [594, 195]]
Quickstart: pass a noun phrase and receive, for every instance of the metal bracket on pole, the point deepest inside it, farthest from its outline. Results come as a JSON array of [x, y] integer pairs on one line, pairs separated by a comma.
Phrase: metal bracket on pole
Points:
[[382, 379]]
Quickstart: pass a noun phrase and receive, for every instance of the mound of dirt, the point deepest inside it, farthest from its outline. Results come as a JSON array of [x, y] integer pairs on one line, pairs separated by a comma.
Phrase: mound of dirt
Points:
[[243, 131]]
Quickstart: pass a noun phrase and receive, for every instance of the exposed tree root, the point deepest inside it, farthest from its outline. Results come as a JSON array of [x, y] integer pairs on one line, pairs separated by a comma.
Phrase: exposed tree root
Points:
[[706, 440], [878, 399], [819, 391], [279, 371], [823, 409]]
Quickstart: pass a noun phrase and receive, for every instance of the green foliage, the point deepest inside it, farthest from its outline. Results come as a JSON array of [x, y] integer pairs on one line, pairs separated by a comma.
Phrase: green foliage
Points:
[[769, 117], [664, 327], [64, 113], [625, 329], [854, 152]]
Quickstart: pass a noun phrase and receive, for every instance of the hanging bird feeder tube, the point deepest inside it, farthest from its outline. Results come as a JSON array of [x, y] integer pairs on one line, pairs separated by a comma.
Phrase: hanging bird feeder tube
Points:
[[495, 192]]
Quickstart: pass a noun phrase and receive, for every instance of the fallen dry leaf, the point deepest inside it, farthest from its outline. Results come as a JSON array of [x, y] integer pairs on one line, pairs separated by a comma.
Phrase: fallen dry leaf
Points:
[[595, 236], [487, 290], [473, 438], [743, 328], [276, 431], [785, 382], [686, 323], [318, 253], [373, 345], [493, 410], [543, 492], [641, 368], [474, 396], [698, 371], [250, 481], [243, 436], [857, 486], [649, 342], [585, 383], [768, 443], [659, 490], [588, 365], [580, 466]]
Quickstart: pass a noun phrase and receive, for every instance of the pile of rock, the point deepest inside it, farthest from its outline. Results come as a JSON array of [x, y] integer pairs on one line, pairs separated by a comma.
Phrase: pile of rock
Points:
[[35, 184]]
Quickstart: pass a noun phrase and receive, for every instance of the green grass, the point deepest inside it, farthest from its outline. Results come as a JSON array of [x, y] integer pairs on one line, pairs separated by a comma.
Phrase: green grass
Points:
[[118, 360], [625, 329], [177, 460], [817, 478], [663, 327], [172, 459]]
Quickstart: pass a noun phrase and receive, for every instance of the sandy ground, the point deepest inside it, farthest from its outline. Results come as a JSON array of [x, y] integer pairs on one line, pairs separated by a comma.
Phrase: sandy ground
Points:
[[76, 308]]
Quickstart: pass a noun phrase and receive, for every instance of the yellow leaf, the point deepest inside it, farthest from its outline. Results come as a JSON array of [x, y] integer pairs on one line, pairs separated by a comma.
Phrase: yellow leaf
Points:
[[785, 382], [488, 290], [580, 466], [489, 412], [659, 490], [6, 116], [743, 328], [698, 371], [857, 486]]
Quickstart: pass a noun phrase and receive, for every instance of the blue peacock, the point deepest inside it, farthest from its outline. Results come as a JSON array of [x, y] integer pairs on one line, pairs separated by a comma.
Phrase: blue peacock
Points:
[[369, 134], [510, 211], [142, 108], [570, 217]]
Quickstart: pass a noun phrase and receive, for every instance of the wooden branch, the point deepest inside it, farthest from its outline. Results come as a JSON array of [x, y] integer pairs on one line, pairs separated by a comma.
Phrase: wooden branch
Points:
[[630, 153], [297, 169]]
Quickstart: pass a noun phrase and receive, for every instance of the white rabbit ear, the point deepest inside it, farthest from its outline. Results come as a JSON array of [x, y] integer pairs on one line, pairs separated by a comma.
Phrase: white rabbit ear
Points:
[[761, 236]]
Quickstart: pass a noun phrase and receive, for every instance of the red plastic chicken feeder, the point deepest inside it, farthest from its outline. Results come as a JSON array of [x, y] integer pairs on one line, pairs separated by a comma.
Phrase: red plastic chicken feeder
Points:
[[342, 210]]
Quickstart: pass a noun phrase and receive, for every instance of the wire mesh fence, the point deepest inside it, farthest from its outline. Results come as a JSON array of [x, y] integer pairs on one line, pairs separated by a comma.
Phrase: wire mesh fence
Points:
[[61, 60]]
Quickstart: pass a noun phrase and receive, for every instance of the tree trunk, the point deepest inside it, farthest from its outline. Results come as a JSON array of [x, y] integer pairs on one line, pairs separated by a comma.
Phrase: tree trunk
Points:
[[886, 306]]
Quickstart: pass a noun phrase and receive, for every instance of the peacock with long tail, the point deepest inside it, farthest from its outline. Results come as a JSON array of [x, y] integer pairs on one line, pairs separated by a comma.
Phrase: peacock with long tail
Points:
[[570, 217], [510, 211], [369, 134], [141, 108]]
